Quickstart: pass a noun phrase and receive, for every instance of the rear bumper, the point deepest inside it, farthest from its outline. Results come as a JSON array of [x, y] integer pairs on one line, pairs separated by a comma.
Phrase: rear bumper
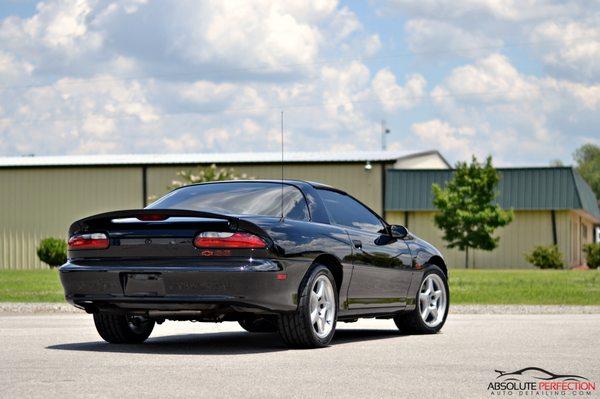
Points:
[[243, 285]]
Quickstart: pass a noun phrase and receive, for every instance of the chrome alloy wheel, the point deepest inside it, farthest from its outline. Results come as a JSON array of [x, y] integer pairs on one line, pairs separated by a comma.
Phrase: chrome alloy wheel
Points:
[[432, 300], [322, 306]]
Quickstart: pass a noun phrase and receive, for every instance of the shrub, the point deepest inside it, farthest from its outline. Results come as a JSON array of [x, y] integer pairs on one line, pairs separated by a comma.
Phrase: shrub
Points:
[[592, 253], [545, 257], [52, 251]]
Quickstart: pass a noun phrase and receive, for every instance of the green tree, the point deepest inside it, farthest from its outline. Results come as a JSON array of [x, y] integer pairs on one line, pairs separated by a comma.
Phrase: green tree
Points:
[[203, 175], [466, 214], [52, 251], [587, 158]]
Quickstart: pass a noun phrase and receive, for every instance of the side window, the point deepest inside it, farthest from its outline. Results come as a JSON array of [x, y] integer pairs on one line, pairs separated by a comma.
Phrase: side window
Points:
[[294, 204], [346, 211]]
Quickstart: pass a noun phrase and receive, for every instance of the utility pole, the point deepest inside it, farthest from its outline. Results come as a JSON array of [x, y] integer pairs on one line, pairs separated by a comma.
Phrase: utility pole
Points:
[[384, 131]]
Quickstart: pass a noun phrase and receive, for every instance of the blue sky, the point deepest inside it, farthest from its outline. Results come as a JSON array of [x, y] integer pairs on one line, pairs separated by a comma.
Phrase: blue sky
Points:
[[517, 80]]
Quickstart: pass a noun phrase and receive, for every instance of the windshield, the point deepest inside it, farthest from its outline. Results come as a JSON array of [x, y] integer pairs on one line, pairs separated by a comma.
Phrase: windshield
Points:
[[239, 198]]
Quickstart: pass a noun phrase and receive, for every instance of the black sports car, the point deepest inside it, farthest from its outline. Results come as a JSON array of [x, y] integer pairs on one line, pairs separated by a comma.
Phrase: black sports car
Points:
[[288, 256]]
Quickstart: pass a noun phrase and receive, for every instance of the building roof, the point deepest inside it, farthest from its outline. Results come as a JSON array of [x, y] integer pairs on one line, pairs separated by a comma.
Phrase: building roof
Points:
[[207, 158], [540, 188]]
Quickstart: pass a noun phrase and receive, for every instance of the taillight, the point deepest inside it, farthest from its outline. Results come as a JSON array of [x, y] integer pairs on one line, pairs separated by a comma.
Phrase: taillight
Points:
[[89, 241], [151, 217], [214, 239]]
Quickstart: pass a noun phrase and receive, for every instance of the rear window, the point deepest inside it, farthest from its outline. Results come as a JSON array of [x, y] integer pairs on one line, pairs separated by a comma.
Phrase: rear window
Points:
[[241, 198]]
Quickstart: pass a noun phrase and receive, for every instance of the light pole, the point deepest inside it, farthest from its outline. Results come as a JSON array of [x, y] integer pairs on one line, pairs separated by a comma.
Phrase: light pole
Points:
[[384, 131]]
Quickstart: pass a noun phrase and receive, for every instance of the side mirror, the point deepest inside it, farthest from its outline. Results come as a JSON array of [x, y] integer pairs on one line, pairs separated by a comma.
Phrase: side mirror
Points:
[[398, 231]]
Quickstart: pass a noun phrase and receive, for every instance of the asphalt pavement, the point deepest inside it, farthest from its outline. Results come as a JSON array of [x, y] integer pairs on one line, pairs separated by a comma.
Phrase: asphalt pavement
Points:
[[60, 355]]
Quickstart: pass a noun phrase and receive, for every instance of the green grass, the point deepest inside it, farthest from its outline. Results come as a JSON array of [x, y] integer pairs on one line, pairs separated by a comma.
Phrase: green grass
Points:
[[30, 286], [541, 287], [532, 287]]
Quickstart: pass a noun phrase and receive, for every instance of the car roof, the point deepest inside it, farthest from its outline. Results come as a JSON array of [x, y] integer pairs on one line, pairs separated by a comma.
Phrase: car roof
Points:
[[293, 182]]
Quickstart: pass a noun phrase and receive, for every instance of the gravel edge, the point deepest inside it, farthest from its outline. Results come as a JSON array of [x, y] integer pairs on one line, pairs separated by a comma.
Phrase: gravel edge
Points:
[[524, 309], [33, 308], [38, 307]]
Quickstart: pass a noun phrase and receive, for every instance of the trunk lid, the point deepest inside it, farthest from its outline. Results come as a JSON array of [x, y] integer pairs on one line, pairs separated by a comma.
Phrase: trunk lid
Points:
[[161, 233]]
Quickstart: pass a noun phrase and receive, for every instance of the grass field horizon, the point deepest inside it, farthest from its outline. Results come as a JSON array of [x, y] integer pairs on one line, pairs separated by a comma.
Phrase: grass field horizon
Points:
[[479, 286]]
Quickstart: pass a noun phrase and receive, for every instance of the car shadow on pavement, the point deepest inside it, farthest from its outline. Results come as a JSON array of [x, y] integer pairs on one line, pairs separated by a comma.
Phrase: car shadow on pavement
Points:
[[226, 343], [345, 336]]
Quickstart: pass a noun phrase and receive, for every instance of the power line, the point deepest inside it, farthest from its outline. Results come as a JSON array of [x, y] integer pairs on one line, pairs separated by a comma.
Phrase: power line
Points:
[[278, 68], [280, 106]]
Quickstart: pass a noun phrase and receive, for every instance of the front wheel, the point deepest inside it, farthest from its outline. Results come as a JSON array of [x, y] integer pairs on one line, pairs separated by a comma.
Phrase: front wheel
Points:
[[123, 329], [312, 325], [432, 303]]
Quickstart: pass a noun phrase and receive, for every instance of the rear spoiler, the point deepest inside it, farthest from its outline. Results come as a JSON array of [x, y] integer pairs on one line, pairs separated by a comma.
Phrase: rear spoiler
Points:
[[103, 221]]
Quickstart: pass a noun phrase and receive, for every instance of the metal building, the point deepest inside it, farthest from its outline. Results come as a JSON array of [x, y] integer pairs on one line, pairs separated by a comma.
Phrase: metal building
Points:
[[552, 205], [41, 196]]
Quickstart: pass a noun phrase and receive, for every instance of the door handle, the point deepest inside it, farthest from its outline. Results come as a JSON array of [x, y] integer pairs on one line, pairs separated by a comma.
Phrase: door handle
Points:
[[357, 243]]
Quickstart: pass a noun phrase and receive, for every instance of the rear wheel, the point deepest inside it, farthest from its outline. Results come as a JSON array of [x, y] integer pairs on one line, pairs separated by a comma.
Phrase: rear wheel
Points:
[[312, 325], [432, 302], [123, 329], [258, 325]]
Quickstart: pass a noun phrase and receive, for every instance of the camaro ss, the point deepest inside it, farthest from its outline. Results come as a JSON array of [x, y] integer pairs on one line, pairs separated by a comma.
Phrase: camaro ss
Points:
[[289, 256]]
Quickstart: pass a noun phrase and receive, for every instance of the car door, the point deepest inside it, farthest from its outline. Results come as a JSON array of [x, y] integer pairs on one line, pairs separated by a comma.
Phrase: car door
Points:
[[382, 264]]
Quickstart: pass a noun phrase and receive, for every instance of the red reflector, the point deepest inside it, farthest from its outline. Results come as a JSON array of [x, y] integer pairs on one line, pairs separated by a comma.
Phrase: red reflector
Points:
[[213, 239], [151, 217], [89, 241], [281, 276]]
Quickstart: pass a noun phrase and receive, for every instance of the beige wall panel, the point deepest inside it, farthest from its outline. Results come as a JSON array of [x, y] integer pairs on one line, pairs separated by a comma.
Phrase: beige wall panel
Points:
[[528, 229], [563, 234], [38, 203], [43, 202], [426, 161], [587, 236], [582, 232], [351, 177]]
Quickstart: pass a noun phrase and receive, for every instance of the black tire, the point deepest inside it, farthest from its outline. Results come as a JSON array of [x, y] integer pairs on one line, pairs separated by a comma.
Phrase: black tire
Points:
[[121, 329], [411, 322], [296, 328], [258, 325]]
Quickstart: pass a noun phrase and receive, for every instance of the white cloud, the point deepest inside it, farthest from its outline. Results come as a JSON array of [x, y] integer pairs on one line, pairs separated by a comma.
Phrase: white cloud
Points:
[[98, 125], [55, 35], [507, 10], [394, 96], [86, 37], [74, 116], [13, 71], [139, 76], [440, 134], [574, 48], [446, 30], [432, 38], [516, 115], [345, 23], [489, 79], [372, 45]]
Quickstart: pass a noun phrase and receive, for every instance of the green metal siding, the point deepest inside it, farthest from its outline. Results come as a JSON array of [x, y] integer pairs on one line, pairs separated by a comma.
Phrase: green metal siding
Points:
[[586, 195], [519, 188]]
